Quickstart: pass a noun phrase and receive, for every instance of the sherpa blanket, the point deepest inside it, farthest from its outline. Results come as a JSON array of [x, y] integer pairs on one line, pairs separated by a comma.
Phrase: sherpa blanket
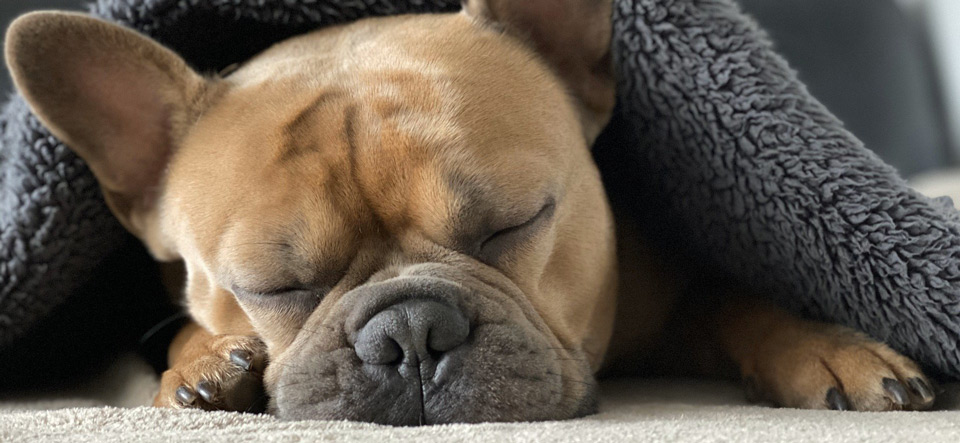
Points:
[[713, 134]]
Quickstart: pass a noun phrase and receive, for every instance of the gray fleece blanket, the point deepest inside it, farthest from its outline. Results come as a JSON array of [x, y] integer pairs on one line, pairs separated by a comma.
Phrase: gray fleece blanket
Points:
[[714, 138]]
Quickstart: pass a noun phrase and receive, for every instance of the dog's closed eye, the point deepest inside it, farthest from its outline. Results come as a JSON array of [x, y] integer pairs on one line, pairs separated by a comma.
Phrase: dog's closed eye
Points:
[[290, 296], [275, 292], [503, 240]]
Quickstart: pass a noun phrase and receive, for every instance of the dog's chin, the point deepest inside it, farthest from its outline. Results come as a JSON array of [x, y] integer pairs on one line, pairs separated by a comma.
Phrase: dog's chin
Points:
[[503, 375]]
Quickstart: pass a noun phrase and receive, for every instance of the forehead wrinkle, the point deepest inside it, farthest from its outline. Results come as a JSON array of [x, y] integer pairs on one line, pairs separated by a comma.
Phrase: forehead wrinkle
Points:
[[419, 101], [350, 136], [388, 169], [411, 129], [297, 137]]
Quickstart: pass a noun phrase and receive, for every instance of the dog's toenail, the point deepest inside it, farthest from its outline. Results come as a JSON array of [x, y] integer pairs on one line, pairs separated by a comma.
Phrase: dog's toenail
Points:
[[186, 396], [896, 390], [242, 359], [207, 390], [836, 400], [921, 388]]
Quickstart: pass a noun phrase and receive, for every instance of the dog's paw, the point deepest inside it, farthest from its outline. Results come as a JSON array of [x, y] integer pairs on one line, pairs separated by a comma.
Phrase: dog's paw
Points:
[[226, 375], [835, 368]]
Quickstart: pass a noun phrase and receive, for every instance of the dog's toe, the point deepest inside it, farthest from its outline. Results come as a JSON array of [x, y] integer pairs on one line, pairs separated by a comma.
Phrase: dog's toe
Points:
[[209, 391], [895, 391], [921, 392], [836, 369], [186, 396], [836, 400], [228, 377], [242, 358]]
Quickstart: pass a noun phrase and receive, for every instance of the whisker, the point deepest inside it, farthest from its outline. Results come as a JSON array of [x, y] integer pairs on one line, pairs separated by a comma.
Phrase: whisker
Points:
[[291, 369], [570, 350], [587, 382], [569, 359], [286, 365], [315, 332], [299, 383], [582, 382]]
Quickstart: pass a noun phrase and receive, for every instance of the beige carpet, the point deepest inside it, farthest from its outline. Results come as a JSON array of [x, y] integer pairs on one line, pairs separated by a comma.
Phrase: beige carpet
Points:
[[109, 410]]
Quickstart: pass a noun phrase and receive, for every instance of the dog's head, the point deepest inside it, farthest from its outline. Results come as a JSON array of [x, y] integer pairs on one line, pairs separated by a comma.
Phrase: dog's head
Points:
[[404, 209]]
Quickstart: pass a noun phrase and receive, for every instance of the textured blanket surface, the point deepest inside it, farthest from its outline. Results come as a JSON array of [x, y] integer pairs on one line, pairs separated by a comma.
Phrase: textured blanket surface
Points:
[[761, 181], [714, 138], [630, 411]]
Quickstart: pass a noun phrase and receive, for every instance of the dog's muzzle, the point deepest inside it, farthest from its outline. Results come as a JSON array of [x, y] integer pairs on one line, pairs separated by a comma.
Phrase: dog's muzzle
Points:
[[421, 350]]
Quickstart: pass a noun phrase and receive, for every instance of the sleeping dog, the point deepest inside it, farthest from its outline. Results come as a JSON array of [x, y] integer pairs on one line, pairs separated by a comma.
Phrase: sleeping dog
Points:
[[399, 221]]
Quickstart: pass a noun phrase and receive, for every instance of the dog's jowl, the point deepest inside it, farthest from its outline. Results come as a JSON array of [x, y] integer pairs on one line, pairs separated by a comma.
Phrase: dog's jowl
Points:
[[399, 221]]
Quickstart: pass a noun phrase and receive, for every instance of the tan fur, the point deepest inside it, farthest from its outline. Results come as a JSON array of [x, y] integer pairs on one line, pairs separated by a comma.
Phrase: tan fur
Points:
[[791, 358], [366, 151], [197, 355]]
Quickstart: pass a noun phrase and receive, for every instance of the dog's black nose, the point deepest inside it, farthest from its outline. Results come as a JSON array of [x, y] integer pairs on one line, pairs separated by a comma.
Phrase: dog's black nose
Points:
[[411, 333]]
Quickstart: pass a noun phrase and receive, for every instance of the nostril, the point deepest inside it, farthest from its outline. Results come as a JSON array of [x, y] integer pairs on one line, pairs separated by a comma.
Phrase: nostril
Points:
[[374, 346], [448, 333], [392, 355], [415, 330]]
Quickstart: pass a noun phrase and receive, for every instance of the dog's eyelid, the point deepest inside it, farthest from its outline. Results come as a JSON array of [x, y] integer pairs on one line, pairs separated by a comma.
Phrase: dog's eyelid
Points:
[[283, 290], [545, 213], [530, 219]]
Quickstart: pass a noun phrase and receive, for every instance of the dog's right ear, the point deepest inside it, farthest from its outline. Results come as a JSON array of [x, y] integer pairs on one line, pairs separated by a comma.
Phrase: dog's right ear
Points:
[[573, 36], [121, 101]]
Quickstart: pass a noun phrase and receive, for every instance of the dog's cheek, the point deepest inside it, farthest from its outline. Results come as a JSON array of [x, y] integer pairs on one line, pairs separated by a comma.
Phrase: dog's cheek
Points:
[[278, 319], [271, 376]]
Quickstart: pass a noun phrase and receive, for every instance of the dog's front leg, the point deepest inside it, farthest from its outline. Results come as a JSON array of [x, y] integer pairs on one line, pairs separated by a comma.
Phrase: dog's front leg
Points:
[[213, 372], [794, 362]]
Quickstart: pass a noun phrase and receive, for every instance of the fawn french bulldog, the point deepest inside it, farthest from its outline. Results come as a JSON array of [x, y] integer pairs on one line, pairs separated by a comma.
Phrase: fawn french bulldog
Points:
[[399, 221]]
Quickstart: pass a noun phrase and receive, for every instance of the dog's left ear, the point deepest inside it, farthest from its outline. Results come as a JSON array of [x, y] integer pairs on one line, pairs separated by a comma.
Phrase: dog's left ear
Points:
[[573, 36]]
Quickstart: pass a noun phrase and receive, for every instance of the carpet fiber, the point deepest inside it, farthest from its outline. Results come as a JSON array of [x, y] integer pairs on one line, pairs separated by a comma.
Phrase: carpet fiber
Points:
[[630, 410]]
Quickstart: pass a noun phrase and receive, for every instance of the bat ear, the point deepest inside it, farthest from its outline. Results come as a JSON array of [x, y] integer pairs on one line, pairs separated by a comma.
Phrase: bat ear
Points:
[[121, 101], [573, 36]]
